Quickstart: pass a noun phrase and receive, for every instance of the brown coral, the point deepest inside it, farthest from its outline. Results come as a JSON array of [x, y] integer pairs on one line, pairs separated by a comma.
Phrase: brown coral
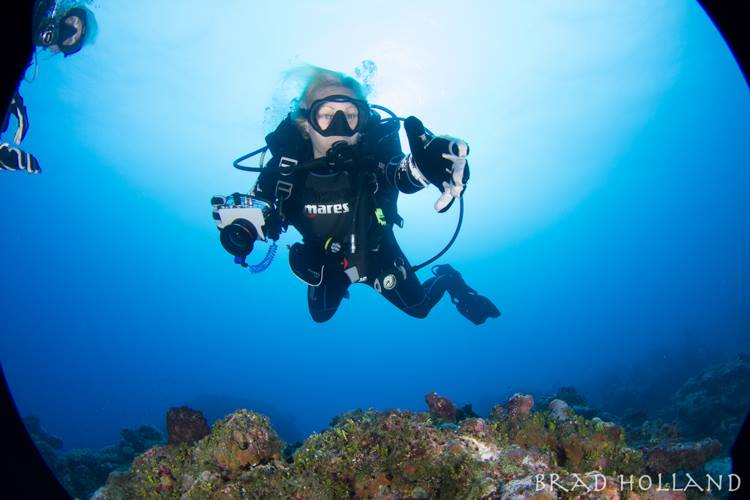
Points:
[[185, 425], [241, 440], [441, 408]]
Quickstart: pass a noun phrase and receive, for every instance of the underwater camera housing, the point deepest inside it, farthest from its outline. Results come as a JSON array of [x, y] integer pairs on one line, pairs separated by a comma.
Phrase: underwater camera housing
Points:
[[241, 219]]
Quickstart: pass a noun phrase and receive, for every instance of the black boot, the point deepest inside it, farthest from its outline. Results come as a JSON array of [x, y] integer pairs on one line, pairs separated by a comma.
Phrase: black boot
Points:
[[476, 308]]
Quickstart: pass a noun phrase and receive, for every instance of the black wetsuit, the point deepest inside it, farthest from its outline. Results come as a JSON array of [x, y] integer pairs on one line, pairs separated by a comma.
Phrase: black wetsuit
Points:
[[346, 218]]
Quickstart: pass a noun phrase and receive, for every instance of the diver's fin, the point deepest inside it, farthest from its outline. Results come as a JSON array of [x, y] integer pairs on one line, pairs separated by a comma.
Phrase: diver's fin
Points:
[[474, 307]]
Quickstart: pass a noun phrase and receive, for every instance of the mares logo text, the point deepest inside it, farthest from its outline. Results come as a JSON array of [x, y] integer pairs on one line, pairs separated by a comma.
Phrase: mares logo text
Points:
[[336, 208]]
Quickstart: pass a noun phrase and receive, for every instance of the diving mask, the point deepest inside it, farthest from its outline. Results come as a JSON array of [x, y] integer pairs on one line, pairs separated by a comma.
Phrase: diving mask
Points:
[[66, 33], [337, 115]]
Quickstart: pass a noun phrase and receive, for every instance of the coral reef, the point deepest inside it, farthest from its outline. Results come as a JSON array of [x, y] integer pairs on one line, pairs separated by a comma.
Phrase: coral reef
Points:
[[403, 454], [445, 452]]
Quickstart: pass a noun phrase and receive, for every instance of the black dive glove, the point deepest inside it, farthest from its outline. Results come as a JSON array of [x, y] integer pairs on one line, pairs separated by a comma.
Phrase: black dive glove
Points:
[[440, 160], [381, 140]]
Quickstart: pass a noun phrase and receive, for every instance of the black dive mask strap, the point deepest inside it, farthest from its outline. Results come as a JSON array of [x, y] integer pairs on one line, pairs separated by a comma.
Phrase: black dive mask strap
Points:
[[45, 30], [47, 35]]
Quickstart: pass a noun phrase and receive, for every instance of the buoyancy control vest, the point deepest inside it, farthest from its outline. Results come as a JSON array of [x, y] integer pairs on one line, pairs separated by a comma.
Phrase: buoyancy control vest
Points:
[[322, 206], [334, 211]]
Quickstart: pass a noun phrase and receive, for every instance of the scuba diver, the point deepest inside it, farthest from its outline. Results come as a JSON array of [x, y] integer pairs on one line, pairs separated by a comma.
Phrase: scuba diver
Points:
[[335, 174], [56, 31]]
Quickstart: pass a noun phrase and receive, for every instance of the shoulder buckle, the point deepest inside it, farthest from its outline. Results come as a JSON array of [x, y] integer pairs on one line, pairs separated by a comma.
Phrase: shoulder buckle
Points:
[[286, 165]]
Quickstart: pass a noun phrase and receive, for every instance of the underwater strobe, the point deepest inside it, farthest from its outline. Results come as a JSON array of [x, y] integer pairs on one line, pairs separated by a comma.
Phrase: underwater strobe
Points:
[[241, 219]]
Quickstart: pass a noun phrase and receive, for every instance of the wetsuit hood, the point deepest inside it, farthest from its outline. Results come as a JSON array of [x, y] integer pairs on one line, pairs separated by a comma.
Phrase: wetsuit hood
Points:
[[287, 141]]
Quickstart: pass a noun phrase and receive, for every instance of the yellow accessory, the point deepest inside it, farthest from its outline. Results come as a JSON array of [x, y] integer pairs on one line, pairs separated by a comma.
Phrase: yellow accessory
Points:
[[380, 217]]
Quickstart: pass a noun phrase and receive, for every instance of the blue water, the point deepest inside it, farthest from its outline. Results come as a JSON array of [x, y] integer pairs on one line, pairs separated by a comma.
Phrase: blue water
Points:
[[607, 212]]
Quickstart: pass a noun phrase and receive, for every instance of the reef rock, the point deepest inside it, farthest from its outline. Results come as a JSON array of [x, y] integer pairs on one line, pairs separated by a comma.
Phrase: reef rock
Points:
[[185, 425], [715, 402], [475, 427], [34, 426], [560, 410], [133, 442], [686, 456], [46, 443], [498, 412], [441, 408], [571, 396]]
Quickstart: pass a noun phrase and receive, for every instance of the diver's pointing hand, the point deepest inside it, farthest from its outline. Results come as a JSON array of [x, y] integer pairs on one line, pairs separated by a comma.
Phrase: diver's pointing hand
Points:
[[441, 160], [458, 150]]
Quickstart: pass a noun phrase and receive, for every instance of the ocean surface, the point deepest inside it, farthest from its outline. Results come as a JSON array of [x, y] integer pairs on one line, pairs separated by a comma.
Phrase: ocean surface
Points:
[[606, 215]]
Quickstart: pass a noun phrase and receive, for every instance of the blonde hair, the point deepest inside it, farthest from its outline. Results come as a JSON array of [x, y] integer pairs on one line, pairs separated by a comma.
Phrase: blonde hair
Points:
[[315, 78]]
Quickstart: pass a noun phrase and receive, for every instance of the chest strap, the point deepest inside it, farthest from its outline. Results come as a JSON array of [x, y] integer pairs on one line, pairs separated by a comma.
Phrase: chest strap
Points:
[[283, 192]]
